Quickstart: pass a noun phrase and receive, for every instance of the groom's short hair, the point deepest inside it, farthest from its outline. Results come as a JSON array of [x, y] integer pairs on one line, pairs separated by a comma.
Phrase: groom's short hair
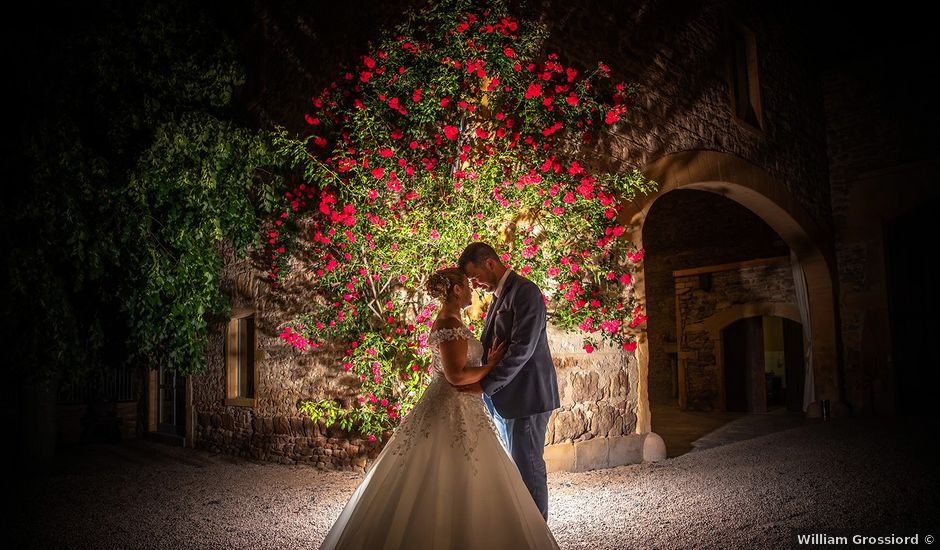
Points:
[[477, 253]]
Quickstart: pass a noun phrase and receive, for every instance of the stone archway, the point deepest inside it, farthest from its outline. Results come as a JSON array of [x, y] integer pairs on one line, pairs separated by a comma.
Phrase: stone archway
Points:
[[751, 187]]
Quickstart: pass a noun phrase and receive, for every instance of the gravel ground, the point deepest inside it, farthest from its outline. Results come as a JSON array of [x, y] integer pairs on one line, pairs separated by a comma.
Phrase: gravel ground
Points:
[[844, 473]]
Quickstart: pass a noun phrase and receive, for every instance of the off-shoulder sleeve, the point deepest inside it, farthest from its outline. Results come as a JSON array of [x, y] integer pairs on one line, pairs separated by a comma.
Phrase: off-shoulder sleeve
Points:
[[444, 334]]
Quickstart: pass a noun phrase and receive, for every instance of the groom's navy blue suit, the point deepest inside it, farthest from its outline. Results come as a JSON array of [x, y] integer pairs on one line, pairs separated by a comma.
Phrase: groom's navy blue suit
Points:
[[522, 391]]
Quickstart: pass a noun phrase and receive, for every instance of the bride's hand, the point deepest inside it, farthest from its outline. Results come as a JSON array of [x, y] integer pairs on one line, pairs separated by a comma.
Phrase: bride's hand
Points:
[[497, 352]]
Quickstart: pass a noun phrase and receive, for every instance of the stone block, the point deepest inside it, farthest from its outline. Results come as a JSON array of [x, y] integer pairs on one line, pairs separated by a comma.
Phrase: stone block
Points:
[[267, 425], [627, 449], [602, 421], [585, 387], [204, 419], [569, 425], [310, 427], [590, 455], [654, 448], [559, 457], [281, 425], [618, 385]]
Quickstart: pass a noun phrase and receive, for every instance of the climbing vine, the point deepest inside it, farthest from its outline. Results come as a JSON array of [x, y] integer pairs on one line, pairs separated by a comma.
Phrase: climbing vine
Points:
[[455, 127]]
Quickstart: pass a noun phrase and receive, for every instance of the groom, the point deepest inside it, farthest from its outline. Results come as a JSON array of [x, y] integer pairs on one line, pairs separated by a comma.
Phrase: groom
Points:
[[522, 390]]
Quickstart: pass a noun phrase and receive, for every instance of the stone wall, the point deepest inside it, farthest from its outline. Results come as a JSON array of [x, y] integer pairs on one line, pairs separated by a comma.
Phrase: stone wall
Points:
[[876, 177], [686, 229], [597, 390], [676, 51], [699, 337], [273, 430]]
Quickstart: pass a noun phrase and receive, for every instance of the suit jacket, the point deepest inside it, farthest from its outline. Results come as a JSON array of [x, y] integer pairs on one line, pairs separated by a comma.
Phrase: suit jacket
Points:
[[524, 383]]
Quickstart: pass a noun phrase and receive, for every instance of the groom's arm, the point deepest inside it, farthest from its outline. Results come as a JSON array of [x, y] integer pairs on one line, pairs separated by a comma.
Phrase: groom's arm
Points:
[[528, 323]]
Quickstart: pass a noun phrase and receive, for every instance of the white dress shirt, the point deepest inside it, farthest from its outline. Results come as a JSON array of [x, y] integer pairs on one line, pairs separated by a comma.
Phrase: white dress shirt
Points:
[[502, 281]]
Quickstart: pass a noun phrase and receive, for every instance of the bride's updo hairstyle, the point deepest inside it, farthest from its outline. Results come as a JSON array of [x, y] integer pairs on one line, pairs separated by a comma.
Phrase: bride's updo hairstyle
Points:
[[441, 282]]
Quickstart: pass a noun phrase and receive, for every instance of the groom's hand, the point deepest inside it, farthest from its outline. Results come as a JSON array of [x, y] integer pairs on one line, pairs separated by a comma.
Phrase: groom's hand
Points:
[[471, 388]]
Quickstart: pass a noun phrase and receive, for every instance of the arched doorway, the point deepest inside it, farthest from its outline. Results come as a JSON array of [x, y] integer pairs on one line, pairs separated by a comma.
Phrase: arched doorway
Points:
[[762, 364], [752, 188], [699, 239]]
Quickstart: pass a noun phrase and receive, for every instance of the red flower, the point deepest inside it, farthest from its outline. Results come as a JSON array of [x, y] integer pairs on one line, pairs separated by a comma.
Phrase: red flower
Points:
[[535, 90], [416, 96], [572, 99], [509, 52], [613, 116], [368, 61], [481, 133], [394, 104], [629, 346], [321, 142], [445, 102], [451, 131], [552, 129], [588, 348], [386, 152], [378, 173], [365, 76]]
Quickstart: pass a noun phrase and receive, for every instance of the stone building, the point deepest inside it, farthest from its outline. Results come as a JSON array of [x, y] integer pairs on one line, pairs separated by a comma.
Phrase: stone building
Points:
[[792, 183]]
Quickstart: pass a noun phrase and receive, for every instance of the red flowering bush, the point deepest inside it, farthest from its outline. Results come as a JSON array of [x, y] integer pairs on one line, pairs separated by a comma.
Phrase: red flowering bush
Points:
[[455, 128]]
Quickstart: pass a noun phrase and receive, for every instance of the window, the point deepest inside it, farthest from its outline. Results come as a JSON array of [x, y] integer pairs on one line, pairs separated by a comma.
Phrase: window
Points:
[[241, 371], [745, 86]]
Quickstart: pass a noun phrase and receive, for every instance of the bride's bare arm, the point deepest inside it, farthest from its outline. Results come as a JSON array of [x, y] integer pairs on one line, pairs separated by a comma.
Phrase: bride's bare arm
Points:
[[454, 357], [454, 362]]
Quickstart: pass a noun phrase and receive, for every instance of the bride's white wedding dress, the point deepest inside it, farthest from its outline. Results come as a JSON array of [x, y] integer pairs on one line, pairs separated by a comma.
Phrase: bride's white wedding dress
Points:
[[443, 480]]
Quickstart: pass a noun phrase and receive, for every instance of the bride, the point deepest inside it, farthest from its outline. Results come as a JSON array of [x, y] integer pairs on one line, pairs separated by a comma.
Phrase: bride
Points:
[[444, 480]]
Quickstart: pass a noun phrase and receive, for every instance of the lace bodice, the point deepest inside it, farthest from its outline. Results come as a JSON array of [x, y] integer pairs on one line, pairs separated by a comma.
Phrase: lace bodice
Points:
[[474, 346], [442, 410]]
